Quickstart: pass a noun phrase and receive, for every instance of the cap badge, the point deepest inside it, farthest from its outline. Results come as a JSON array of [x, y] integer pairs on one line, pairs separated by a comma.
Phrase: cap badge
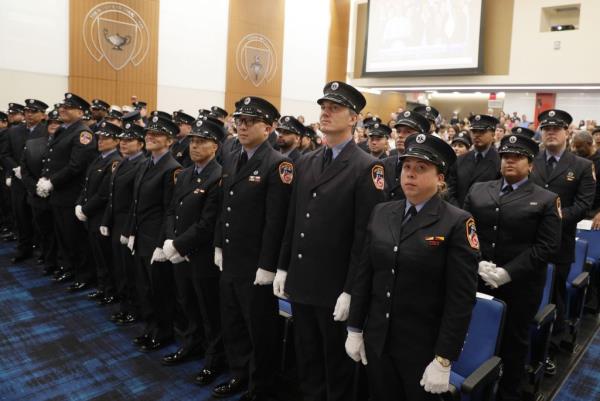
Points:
[[477, 117], [552, 113], [69, 95], [103, 124], [214, 108], [407, 114], [428, 108], [376, 125], [30, 101], [198, 123], [128, 125], [421, 138], [335, 86], [287, 119], [519, 130], [154, 119], [247, 101], [512, 139]]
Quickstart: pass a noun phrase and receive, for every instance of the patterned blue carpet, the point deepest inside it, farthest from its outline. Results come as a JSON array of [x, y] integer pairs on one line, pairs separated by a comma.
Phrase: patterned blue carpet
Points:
[[60, 346], [584, 381]]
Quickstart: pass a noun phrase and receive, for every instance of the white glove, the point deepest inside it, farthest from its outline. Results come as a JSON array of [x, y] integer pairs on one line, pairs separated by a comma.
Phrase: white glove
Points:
[[130, 243], [44, 185], [169, 249], [158, 256], [496, 277], [342, 308], [264, 277], [279, 284], [355, 347], [485, 266], [219, 258], [79, 213], [436, 378], [17, 171], [123, 240], [104, 231], [8, 182], [177, 258]]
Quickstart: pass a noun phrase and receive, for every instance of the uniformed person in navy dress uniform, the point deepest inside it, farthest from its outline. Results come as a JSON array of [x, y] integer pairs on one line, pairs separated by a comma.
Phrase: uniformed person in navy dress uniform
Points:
[[406, 124], [70, 151], [152, 194], [180, 148], [335, 190], [90, 210], [519, 230], [257, 182], [480, 164], [414, 310], [431, 114], [378, 140], [290, 133], [573, 179], [461, 143], [114, 221], [190, 230]]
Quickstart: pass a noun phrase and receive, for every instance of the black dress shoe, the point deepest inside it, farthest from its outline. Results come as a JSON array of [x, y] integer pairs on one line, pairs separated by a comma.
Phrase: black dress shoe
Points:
[[94, 295], [129, 318], [77, 286], [106, 300], [175, 358], [230, 388], [117, 316], [65, 277], [9, 237], [141, 340], [549, 367], [207, 376], [153, 345]]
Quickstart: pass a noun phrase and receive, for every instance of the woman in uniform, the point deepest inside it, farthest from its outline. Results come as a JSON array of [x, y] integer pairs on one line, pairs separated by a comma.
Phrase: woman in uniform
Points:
[[416, 283], [519, 228]]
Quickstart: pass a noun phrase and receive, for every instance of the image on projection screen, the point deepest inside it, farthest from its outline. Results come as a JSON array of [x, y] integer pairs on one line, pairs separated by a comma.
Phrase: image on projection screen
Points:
[[423, 35]]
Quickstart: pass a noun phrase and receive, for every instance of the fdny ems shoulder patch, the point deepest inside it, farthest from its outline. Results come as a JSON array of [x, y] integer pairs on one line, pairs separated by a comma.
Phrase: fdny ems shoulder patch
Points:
[[472, 233], [175, 174], [85, 137], [378, 176], [286, 172]]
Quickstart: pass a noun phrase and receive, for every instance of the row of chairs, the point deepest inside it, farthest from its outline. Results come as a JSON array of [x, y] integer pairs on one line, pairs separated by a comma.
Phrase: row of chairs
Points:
[[476, 374]]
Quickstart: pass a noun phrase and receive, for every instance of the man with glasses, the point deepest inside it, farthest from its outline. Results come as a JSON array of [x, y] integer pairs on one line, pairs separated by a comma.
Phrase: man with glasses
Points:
[[256, 185]]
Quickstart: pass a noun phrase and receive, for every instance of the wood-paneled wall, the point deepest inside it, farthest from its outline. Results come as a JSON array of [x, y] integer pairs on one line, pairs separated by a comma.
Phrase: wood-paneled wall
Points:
[[98, 79], [264, 17]]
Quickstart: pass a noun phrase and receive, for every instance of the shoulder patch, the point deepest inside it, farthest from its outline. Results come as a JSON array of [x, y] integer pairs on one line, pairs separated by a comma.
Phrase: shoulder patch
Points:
[[286, 172], [594, 172], [114, 166], [85, 137], [471, 232], [558, 209], [378, 176], [175, 174]]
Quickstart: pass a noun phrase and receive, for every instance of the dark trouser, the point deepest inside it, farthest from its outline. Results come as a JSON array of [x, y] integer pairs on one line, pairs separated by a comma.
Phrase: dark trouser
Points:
[[521, 307], [23, 217], [397, 379], [324, 369], [156, 294], [42, 218], [198, 298], [560, 295], [250, 331], [101, 252], [73, 243], [6, 215], [125, 274]]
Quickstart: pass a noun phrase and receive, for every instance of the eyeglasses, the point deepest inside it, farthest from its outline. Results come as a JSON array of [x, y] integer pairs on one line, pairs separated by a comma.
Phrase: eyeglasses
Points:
[[247, 121]]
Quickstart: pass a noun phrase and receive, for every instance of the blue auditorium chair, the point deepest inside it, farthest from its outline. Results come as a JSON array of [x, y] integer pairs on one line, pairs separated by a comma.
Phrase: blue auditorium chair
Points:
[[476, 374], [593, 266], [540, 334], [577, 285]]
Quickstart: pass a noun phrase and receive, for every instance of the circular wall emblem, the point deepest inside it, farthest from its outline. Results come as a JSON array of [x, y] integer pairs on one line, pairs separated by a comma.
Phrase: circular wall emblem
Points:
[[256, 59], [421, 138]]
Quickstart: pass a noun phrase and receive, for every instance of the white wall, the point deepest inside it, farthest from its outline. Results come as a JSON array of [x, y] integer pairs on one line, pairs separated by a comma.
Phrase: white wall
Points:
[[192, 53], [305, 47], [521, 102], [34, 39], [582, 106]]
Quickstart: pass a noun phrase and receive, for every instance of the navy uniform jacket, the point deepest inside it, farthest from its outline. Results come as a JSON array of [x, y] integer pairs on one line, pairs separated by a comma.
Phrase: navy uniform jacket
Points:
[[465, 172], [69, 153], [14, 143], [573, 181], [295, 155], [595, 158], [94, 196], [393, 189], [31, 170], [120, 194], [518, 231], [255, 204], [416, 284], [327, 222], [181, 152], [192, 216], [152, 194]]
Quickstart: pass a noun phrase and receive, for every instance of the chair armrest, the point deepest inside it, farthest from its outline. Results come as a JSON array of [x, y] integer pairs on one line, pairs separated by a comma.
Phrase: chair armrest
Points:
[[545, 316], [583, 280], [487, 373]]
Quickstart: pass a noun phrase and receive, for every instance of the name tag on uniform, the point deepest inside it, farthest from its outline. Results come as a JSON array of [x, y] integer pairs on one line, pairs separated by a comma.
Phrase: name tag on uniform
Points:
[[434, 240], [254, 178], [532, 203]]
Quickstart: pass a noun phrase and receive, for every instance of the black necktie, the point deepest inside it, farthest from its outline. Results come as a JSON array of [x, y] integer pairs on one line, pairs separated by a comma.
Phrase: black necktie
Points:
[[398, 169], [327, 158], [551, 164], [242, 161], [410, 213], [478, 158], [506, 190]]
